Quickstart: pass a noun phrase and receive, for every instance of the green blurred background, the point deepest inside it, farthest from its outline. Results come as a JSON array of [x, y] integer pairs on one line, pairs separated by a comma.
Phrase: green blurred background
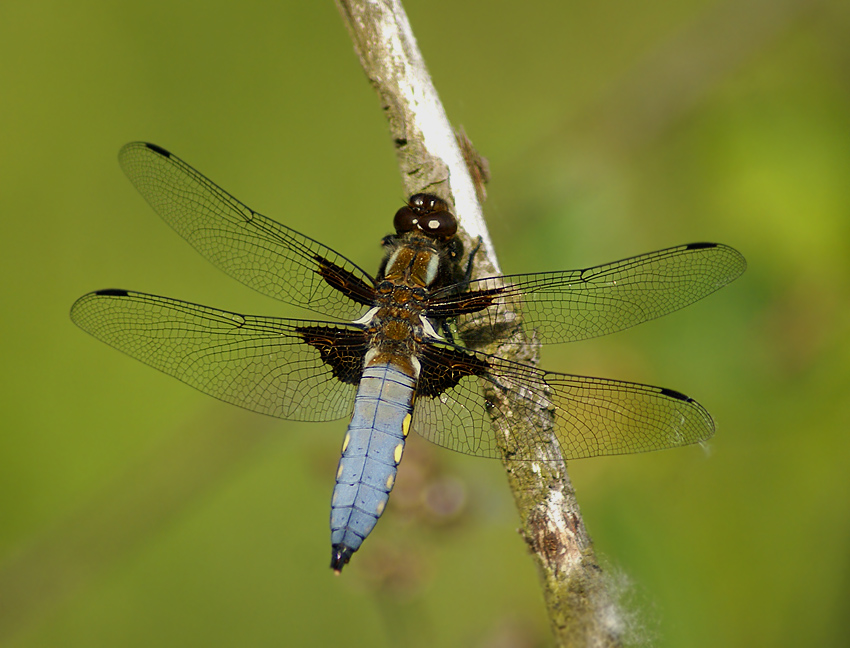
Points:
[[138, 512]]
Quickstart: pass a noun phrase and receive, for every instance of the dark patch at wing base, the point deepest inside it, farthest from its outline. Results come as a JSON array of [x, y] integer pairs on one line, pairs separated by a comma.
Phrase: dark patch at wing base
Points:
[[341, 349], [443, 368], [346, 282], [465, 303]]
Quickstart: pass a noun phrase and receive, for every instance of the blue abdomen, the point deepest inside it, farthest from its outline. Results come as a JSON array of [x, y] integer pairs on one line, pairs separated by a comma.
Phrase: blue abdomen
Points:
[[370, 455]]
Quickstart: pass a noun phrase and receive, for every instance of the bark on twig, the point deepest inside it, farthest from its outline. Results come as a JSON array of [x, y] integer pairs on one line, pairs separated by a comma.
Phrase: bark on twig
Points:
[[429, 156], [580, 609]]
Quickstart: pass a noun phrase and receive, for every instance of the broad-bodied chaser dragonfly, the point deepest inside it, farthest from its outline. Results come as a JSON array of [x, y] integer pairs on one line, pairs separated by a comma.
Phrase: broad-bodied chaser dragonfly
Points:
[[396, 357]]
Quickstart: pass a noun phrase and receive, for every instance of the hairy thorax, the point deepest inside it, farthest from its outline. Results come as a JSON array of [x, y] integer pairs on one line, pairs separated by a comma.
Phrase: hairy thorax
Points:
[[396, 326]]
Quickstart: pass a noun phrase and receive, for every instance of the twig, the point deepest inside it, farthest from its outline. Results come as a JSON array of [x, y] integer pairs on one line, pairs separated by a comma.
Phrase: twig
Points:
[[429, 156], [580, 609]]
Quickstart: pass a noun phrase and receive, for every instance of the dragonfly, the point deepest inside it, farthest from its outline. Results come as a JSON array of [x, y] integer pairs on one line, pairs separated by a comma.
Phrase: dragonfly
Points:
[[398, 350]]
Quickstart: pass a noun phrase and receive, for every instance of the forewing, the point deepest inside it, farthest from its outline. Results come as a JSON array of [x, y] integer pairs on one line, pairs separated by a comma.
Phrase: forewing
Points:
[[279, 367], [592, 416], [250, 247], [581, 304]]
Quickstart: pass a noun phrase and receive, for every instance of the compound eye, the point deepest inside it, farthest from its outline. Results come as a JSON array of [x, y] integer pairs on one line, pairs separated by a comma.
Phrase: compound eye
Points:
[[422, 202], [441, 225], [428, 214], [405, 220]]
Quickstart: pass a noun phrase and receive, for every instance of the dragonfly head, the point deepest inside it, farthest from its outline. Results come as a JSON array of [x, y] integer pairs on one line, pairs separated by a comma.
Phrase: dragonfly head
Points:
[[427, 214]]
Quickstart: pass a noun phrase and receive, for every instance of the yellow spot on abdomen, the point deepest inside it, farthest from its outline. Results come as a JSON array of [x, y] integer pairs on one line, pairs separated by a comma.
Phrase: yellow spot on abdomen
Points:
[[390, 482], [380, 508], [405, 425], [339, 472], [346, 441], [397, 452]]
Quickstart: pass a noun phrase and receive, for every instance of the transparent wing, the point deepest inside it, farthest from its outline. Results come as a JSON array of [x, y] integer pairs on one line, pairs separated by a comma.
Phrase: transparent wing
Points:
[[592, 416], [260, 363], [581, 304], [259, 252]]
